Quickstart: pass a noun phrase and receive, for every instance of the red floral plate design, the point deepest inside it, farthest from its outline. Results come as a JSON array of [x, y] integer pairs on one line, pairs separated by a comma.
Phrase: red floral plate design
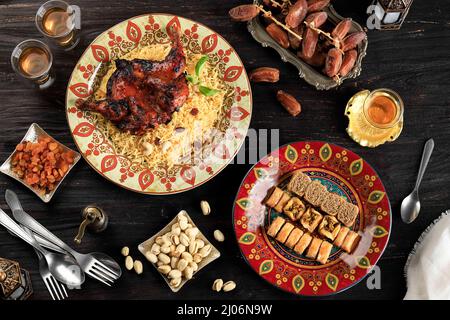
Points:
[[343, 172], [143, 30]]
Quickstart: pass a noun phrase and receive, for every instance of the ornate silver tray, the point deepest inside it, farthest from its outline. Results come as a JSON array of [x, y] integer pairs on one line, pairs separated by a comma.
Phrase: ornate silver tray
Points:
[[311, 75]]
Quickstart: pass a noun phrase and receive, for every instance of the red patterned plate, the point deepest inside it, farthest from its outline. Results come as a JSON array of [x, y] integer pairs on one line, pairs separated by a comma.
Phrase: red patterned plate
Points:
[[141, 31], [342, 172]]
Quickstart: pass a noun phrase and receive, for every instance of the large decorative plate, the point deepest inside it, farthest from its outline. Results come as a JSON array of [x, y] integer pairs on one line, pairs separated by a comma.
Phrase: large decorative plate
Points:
[[143, 30], [343, 172]]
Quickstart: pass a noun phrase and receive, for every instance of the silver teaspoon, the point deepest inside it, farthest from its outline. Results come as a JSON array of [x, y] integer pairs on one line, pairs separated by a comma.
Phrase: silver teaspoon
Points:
[[411, 204], [63, 267]]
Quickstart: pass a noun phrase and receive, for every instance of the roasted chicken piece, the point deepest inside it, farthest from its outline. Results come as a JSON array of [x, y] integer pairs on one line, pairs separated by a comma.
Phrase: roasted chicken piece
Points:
[[143, 93]]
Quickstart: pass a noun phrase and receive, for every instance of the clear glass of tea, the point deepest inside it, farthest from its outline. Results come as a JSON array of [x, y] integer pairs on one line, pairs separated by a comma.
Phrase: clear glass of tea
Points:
[[383, 108], [60, 22], [32, 59]]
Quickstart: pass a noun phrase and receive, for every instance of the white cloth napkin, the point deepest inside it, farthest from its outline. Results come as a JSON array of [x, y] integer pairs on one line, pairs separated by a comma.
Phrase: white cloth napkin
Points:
[[428, 267]]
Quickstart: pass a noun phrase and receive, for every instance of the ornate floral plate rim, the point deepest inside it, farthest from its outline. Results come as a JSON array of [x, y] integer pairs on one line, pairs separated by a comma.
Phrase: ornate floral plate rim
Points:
[[297, 284], [239, 111]]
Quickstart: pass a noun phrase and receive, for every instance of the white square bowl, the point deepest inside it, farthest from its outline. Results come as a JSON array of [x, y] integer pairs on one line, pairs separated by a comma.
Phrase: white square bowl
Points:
[[32, 135], [146, 246]]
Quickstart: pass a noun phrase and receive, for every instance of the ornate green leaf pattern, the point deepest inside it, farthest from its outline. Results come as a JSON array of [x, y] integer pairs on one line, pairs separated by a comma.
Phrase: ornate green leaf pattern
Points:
[[291, 154], [298, 283], [265, 267], [332, 281], [378, 232], [325, 152], [363, 262], [244, 203], [356, 167], [247, 238], [376, 196], [260, 173]]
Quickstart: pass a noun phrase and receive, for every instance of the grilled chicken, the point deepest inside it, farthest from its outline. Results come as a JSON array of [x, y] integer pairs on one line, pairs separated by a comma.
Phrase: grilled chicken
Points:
[[143, 93]]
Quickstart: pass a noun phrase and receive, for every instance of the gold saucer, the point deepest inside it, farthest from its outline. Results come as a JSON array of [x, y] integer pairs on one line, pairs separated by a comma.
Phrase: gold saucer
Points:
[[361, 131]]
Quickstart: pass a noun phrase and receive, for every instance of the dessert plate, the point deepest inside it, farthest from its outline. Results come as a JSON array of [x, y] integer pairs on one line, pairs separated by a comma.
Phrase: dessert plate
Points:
[[342, 172]]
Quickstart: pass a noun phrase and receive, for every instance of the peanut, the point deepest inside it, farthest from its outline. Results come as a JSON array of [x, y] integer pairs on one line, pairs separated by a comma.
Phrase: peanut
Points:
[[316, 19], [348, 62], [265, 74], [342, 28], [204, 205], [217, 285], [309, 42], [245, 12], [229, 286], [333, 62], [129, 263], [297, 13], [125, 251], [188, 272], [138, 267], [175, 282], [353, 40], [218, 235], [278, 34], [289, 103], [151, 257], [317, 5]]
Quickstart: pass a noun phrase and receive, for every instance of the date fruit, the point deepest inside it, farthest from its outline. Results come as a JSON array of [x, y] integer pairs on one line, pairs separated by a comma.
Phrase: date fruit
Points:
[[333, 62], [352, 40], [297, 13], [348, 62], [245, 12], [289, 103], [309, 42], [265, 74], [294, 41], [317, 5], [317, 60], [341, 29], [278, 34], [317, 19]]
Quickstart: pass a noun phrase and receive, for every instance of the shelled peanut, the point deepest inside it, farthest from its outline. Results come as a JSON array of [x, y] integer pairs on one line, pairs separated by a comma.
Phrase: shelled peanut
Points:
[[302, 26], [41, 164], [178, 252]]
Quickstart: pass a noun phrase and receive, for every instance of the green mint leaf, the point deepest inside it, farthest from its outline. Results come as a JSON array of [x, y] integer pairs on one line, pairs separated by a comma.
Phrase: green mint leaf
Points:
[[200, 64], [208, 91], [191, 79]]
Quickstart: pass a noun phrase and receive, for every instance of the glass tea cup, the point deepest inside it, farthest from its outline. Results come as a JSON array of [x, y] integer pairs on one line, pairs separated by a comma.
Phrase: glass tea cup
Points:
[[32, 59], [59, 22], [383, 108]]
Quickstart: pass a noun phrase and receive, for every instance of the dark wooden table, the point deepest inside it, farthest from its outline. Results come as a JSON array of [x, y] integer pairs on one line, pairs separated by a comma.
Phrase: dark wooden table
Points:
[[413, 61]]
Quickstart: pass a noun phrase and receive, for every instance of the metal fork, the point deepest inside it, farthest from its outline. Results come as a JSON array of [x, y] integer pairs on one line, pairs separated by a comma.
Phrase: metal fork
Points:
[[90, 263], [56, 289]]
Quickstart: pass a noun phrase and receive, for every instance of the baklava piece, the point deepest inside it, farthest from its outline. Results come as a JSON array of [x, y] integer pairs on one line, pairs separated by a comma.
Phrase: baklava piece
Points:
[[314, 248], [298, 183], [332, 203], [329, 227], [275, 226], [324, 252], [347, 213], [294, 237], [285, 232], [303, 243], [341, 237], [350, 242], [294, 209], [311, 219], [316, 193], [282, 202], [273, 196]]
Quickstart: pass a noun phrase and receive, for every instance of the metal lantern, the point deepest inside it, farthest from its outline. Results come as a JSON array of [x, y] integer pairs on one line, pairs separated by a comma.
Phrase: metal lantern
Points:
[[392, 13]]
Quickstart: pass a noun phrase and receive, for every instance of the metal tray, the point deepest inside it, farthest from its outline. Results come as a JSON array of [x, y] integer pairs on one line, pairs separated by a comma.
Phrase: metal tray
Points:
[[311, 75]]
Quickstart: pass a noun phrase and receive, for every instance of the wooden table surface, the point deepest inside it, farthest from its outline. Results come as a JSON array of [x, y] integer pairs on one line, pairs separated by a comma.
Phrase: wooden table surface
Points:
[[413, 61]]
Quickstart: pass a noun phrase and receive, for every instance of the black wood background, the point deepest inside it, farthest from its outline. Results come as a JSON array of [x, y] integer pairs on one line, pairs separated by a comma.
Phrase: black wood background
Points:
[[413, 61]]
